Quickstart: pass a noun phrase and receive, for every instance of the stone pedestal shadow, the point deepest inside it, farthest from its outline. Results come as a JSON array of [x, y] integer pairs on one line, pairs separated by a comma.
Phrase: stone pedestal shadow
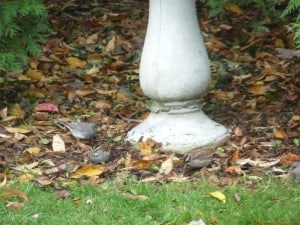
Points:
[[174, 73]]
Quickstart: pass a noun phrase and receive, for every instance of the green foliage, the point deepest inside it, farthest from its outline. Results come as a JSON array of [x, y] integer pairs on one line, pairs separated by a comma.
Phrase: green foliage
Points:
[[23, 27], [277, 11], [267, 7], [292, 10]]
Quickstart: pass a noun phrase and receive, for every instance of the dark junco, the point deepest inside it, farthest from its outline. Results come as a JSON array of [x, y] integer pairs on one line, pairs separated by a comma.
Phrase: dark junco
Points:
[[80, 130], [296, 170]]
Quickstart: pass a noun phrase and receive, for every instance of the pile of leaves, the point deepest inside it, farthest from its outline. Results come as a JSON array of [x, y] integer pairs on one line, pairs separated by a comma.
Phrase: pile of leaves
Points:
[[89, 72]]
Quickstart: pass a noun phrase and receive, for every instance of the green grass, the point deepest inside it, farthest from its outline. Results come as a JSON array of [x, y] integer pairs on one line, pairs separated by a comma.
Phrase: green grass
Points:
[[270, 202]]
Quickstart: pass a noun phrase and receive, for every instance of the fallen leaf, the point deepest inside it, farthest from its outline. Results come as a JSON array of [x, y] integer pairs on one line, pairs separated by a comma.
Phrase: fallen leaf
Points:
[[197, 222], [13, 192], [84, 92], [75, 62], [4, 181], [233, 8], [257, 162], [58, 144], [258, 88], [111, 45], [33, 150], [234, 169], [234, 156], [289, 158], [44, 181], [89, 171], [146, 147], [218, 195], [296, 118], [14, 205], [34, 75], [279, 133], [167, 166], [141, 164], [17, 111], [22, 130], [24, 178], [26, 167], [46, 107], [237, 197]]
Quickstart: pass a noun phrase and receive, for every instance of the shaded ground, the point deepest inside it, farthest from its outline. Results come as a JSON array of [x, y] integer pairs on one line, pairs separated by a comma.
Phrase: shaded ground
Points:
[[89, 70]]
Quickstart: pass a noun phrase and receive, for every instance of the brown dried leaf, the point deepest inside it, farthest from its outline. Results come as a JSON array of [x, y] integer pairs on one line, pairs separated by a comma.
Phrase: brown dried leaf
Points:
[[84, 92], [14, 205], [13, 192], [167, 166], [75, 62], [4, 181], [289, 158], [111, 45], [259, 88], [234, 169]]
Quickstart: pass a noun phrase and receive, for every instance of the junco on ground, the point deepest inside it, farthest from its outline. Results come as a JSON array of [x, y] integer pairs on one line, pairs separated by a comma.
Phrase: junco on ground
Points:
[[296, 170], [80, 130]]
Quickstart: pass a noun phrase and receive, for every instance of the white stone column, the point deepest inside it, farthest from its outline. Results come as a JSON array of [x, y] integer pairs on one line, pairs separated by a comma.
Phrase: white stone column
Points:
[[174, 73]]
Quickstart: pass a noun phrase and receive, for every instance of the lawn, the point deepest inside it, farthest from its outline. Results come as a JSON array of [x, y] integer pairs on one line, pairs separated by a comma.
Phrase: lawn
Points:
[[269, 202]]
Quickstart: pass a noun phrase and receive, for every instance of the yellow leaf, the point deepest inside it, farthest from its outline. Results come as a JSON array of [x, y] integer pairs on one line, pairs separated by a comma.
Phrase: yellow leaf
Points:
[[17, 111], [33, 150], [279, 43], [296, 118], [146, 147], [13, 130], [258, 88], [141, 164], [34, 75], [218, 195], [233, 8], [88, 170], [26, 178], [103, 104], [23, 78], [279, 133], [75, 62]]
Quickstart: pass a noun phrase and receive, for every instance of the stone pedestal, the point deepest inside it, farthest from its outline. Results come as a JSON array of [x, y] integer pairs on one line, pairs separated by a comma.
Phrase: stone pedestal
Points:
[[174, 73]]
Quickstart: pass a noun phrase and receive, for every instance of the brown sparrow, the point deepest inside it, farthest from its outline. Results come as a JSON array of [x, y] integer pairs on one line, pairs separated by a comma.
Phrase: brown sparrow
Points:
[[98, 155], [199, 157]]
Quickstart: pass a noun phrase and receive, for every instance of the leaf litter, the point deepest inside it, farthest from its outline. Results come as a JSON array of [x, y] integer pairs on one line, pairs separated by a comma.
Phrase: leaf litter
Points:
[[89, 72]]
